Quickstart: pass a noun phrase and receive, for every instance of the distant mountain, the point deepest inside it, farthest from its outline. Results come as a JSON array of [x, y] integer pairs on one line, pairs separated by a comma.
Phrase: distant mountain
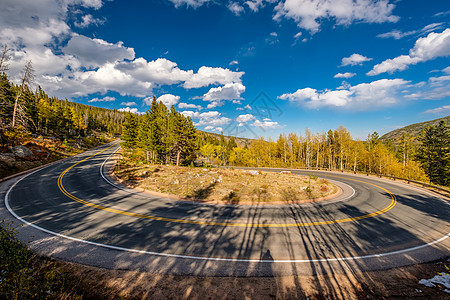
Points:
[[413, 130]]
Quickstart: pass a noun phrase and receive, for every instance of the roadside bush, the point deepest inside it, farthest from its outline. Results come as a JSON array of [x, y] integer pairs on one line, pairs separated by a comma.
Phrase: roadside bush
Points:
[[23, 276]]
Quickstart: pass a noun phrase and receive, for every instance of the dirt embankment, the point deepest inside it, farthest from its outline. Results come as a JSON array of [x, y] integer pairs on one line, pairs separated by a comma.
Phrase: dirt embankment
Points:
[[26, 152]]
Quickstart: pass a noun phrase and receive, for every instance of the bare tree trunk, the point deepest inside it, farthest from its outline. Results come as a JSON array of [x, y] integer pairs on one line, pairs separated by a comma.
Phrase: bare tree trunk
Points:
[[26, 81], [5, 57]]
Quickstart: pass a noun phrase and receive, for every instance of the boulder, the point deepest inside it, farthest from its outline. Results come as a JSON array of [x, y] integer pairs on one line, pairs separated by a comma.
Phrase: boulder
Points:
[[8, 160], [22, 152]]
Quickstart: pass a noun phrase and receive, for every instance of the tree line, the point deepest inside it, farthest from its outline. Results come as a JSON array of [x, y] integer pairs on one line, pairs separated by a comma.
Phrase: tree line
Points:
[[29, 110], [426, 158]]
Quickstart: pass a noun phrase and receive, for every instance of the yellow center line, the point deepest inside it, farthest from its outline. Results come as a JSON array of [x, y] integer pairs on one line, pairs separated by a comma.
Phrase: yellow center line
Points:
[[211, 223]]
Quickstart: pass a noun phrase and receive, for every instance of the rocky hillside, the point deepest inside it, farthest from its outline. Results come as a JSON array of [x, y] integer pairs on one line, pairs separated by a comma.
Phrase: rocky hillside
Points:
[[413, 130]]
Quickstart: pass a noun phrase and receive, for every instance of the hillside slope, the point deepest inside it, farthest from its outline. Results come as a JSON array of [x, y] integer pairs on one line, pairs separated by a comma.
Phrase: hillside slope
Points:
[[413, 130]]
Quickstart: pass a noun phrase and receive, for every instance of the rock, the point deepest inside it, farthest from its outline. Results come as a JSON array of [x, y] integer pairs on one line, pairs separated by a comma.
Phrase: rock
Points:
[[253, 172], [8, 159], [22, 152]]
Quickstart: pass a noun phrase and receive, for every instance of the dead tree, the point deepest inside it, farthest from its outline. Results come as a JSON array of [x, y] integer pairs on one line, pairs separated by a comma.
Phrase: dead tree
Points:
[[27, 80]]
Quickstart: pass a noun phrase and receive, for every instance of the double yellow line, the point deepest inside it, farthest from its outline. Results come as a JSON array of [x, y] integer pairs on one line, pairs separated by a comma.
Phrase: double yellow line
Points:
[[210, 223]]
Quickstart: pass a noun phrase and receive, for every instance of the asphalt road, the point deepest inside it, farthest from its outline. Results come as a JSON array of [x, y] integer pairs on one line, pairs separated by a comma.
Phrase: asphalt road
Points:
[[72, 210]]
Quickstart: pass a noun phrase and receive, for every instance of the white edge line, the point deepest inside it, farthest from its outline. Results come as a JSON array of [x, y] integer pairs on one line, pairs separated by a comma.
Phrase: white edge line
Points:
[[8, 207]]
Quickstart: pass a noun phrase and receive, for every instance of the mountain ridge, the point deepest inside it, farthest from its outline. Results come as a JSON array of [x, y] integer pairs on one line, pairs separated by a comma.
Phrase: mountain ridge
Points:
[[414, 130]]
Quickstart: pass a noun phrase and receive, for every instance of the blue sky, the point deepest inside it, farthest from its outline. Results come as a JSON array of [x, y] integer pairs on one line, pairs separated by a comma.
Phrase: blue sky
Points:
[[254, 67]]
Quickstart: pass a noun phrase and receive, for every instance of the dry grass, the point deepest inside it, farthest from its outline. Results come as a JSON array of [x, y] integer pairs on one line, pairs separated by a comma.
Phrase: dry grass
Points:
[[225, 185]]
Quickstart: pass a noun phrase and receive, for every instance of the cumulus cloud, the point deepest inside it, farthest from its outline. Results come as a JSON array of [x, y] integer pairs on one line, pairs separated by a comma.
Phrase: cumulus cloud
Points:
[[354, 59], [344, 75], [383, 92], [426, 48], [208, 75], [88, 20], [235, 8], [182, 105], [255, 5], [210, 118], [266, 124], [168, 99], [104, 99], [229, 91], [132, 103], [191, 114], [95, 52], [189, 3], [308, 13], [245, 118], [129, 109]]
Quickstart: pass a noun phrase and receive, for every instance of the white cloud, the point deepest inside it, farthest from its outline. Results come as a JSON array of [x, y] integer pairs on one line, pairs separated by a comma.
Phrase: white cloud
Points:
[[396, 34], [160, 71], [431, 27], [128, 103], [208, 75], [266, 124], [129, 109], [443, 110], [229, 91], [245, 118], [96, 52], [235, 8], [233, 62], [168, 99], [182, 105], [344, 75], [210, 114], [88, 20], [189, 3], [442, 13], [435, 89], [191, 114], [214, 104], [446, 70], [147, 100], [248, 107], [383, 92], [104, 99], [209, 127], [354, 59], [255, 5], [308, 13], [210, 118], [426, 48]]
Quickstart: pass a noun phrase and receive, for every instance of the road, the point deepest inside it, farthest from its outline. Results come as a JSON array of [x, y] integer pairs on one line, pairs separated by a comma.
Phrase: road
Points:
[[73, 210]]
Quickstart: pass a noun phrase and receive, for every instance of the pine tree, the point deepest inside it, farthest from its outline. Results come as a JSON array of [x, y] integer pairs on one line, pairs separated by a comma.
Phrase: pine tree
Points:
[[130, 130], [434, 153]]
